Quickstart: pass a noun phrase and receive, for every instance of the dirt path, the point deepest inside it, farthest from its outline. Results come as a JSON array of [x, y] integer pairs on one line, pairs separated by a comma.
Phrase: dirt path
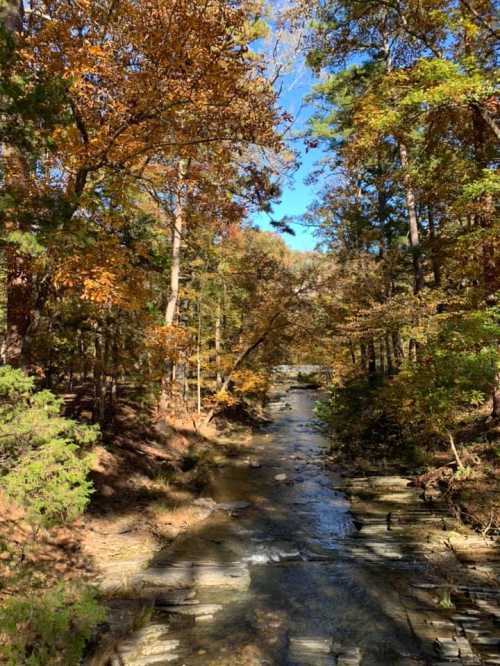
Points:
[[287, 570]]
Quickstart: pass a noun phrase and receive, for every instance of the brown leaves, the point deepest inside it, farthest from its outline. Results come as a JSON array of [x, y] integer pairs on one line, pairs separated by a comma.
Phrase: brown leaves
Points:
[[150, 77]]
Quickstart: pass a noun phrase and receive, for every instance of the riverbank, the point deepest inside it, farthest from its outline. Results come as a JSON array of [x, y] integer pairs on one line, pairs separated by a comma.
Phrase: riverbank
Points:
[[466, 479], [217, 548], [147, 478], [296, 564], [453, 606]]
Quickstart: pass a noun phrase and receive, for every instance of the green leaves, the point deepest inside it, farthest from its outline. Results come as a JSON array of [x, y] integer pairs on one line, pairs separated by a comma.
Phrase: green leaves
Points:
[[41, 458], [14, 384], [51, 482], [49, 628], [487, 185], [27, 242]]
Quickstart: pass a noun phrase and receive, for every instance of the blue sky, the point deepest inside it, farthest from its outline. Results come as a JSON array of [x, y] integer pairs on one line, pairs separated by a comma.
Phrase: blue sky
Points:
[[296, 195]]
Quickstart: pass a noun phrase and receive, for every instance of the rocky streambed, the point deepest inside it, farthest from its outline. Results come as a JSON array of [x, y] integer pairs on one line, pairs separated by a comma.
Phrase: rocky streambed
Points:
[[298, 565]]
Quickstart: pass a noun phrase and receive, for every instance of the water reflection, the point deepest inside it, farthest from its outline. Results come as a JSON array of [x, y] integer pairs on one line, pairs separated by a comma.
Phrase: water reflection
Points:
[[293, 537]]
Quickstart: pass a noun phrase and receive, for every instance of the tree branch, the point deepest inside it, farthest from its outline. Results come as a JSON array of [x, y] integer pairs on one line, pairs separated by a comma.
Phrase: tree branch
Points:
[[480, 19]]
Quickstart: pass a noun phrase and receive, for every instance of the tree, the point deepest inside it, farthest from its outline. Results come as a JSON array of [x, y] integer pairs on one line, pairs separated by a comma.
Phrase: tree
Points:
[[130, 100], [401, 109]]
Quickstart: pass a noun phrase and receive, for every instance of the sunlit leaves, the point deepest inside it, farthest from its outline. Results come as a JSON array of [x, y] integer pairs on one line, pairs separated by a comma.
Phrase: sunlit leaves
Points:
[[102, 274]]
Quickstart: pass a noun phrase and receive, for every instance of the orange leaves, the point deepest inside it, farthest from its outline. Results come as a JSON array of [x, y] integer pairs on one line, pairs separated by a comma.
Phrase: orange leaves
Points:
[[224, 399], [102, 275], [249, 382], [145, 78], [167, 342]]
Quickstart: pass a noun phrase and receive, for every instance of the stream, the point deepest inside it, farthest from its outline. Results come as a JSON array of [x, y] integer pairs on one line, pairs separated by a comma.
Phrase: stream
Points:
[[279, 572]]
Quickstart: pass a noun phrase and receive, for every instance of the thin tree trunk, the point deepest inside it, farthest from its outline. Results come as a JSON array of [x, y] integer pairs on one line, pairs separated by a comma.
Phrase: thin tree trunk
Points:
[[175, 268], [398, 348], [185, 392], [364, 362], [19, 274], [352, 352], [381, 349], [98, 372], [372, 360], [413, 350], [388, 351], [454, 450], [495, 412], [436, 265], [412, 220], [198, 362], [19, 299], [19, 282], [177, 231], [218, 326]]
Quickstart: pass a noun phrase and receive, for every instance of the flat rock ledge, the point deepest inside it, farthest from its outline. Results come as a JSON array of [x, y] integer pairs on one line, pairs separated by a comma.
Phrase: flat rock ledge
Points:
[[189, 574], [324, 651], [149, 646]]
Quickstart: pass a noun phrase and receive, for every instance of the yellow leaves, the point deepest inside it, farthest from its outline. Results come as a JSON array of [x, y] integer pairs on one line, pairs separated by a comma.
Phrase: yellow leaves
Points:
[[249, 382], [167, 342], [96, 51], [246, 383], [224, 399], [102, 275]]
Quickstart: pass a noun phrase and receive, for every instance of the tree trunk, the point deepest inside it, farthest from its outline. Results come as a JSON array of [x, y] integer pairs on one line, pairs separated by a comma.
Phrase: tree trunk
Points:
[[175, 268], [19, 289], [436, 264], [98, 372], [388, 351], [218, 326], [381, 348], [115, 371], [398, 348], [453, 447], [413, 350], [495, 412], [364, 362], [19, 284], [198, 363], [372, 360], [177, 231], [412, 220], [352, 352]]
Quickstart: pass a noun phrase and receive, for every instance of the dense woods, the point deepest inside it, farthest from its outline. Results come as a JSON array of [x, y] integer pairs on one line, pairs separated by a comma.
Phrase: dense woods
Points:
[[137, 140], [407, 114]]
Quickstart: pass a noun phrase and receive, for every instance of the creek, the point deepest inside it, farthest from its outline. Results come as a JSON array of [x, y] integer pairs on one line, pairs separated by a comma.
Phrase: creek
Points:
[[281, 572]]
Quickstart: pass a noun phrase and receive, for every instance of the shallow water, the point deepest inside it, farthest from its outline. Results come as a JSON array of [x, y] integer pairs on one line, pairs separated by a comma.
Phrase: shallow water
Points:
[[296, 539]]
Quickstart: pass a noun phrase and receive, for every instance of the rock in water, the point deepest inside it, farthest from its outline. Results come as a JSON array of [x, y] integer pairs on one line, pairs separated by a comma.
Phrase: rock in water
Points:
[[186, 574], [233, 506], [280, 477], [195, 610], [310, 645]]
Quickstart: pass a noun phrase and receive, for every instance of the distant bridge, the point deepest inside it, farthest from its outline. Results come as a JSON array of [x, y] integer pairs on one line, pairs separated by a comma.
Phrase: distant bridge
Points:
[[293, 371]]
